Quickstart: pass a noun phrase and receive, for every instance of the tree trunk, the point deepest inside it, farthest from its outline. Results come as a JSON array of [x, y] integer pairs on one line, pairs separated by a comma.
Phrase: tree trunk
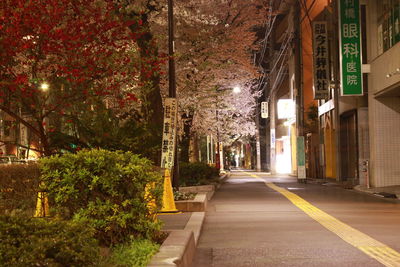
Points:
[[44, 142], [185, 144], [194, 148], [152, 108]]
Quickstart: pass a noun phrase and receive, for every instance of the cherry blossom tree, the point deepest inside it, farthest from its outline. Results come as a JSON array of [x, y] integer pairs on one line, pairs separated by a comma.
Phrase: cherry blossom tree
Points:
[[214, 44], [214, 40]]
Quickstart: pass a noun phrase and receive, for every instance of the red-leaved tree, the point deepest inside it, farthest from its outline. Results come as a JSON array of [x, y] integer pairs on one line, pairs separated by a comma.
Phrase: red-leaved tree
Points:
[[58, 53]]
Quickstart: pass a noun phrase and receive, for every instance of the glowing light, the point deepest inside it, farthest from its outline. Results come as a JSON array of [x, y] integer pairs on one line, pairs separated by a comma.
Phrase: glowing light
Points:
[[284, 157], [237, 90], [44, 86], [286, 109]]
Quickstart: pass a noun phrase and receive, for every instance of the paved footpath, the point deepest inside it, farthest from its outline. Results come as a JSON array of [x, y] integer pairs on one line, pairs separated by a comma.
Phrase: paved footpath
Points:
[[255, 219]]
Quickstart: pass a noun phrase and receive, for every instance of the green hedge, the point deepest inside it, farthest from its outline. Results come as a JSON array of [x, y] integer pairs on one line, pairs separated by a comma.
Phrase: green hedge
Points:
[[18, 187], [106, 190], [40, 242], [196, 173]]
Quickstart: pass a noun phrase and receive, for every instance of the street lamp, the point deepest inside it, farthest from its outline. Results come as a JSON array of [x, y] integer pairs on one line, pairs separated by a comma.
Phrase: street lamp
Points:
[[44, 86], [237, 90]]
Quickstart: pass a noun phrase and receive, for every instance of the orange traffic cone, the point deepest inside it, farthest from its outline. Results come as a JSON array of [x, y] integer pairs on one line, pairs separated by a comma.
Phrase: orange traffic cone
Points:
[[168, 195]]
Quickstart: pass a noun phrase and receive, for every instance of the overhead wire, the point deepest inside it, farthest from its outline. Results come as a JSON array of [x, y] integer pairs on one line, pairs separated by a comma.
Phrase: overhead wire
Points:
[[307, 10], [278, 61], [269, 24]]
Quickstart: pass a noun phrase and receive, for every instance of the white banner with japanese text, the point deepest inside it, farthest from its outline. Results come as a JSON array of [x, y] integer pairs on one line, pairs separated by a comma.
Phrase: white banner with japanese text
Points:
[[264, 110], [169, 133]]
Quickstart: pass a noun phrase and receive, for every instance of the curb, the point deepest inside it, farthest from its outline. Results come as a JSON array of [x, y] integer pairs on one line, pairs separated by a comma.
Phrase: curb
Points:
[[361, 189], [199, 203], [195, 224], [378, 193], [180, 246], [223, 179], [177, 250]]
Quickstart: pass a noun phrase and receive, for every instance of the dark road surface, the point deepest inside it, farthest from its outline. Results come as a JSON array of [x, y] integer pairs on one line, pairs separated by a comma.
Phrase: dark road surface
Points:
[[256, 219]]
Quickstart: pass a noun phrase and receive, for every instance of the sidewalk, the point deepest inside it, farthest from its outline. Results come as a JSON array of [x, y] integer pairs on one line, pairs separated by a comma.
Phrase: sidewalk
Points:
[[187, 221], [252, 222], [392, 192], [388, 192], [184, 230], [174, 221]]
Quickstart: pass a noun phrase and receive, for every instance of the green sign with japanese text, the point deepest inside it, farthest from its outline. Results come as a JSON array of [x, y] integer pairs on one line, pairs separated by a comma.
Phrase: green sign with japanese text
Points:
[[301, 158], [350, 48]]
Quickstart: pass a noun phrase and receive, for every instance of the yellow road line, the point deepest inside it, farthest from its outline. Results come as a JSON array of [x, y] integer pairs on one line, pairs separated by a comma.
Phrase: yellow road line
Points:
[[373, 248]]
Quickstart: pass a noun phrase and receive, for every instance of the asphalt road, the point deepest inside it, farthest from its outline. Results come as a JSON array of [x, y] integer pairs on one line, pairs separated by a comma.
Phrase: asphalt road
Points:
[[256, 219]]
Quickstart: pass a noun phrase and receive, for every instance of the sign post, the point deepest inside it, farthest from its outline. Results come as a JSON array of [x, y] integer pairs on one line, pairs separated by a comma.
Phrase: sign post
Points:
[[169, 134], [350, 48], [321, 60], [301, 159], [168, 153], [264, 110]]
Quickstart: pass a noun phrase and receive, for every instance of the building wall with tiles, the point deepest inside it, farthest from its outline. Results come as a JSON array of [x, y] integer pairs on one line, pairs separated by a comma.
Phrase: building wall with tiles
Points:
[[384, 141], [384, 109]]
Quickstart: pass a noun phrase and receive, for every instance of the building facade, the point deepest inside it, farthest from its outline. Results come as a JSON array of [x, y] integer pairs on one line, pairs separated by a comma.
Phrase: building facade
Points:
[[349, 136], [357, 138], [383, 52]]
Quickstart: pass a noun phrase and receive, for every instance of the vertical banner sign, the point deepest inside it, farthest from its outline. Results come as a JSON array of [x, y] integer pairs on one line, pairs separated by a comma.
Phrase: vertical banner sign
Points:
[[264, 110], [350, 48], [320, 60], [208, 149], [169, 133], [272, 138], [23, 134], [301, 158], [258, 151], [221, 156]]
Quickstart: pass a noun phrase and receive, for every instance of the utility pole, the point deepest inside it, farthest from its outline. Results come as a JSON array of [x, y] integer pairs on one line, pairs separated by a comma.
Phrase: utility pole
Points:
[[171, 48], [258, 152], [172, 84]]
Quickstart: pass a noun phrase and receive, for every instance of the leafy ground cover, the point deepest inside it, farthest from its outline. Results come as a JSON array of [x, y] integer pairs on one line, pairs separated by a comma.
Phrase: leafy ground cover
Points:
[[183, 195], [137, 252]]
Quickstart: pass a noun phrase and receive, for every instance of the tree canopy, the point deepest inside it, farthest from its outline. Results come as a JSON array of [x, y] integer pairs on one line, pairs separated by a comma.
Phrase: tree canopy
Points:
[[64, 61], [56, 55]]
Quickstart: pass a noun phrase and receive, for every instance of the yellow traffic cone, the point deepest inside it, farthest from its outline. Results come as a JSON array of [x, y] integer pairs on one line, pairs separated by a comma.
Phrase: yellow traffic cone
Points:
[[168, 195], [42, 205]]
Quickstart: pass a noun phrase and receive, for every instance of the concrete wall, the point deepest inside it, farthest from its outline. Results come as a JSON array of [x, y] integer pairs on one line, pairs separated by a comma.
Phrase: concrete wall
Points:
[[384, 141], [381, 66], [363, 143], [384, 111]]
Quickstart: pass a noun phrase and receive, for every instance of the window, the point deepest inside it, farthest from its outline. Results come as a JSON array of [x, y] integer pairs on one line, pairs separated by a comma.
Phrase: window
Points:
[[388, 24]]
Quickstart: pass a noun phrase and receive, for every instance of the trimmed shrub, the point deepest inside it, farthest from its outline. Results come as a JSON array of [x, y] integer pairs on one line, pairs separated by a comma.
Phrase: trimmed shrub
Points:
[[18, 187], [109, 191], [41, 242], [197, 173]]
